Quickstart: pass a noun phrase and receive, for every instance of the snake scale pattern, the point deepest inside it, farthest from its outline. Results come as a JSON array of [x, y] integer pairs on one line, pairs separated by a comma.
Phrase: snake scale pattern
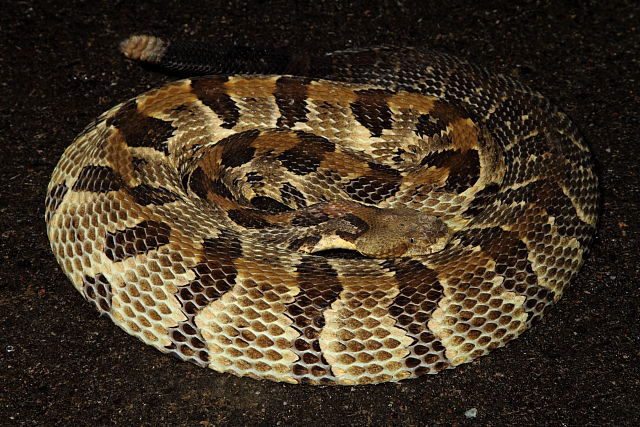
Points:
[[383, 214]]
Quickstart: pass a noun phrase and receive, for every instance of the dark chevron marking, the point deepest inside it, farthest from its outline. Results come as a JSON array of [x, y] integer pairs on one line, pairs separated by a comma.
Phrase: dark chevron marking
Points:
[[145, 195], [201, 184], [464, 167], [420, 292], [98, 291], [292, 196], [464, 171], [219, 188], [309, 241], [98, 179], [306, 156], [210, 90], [139, 130], [428, 125], [360, 225], [290, 97], [386, 169], [215, 275], [556, 203], [372, 111], [483, 199], [139, 239], [269, 205], [319, 288], [248, 218], [237, 149], [310, 218], [512, 262], [447, 113], [198, 182], [439, 159], [53, 200]]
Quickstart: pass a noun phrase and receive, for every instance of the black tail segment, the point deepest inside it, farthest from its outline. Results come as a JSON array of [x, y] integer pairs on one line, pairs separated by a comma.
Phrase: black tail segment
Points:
[[386, 66], [200, 58]]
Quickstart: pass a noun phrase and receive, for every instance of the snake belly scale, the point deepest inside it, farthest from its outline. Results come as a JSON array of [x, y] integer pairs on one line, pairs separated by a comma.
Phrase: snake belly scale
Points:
[[356, 229]]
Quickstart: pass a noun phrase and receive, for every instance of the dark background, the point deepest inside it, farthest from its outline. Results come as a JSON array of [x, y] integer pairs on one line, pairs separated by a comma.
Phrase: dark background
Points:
[[62, 363]]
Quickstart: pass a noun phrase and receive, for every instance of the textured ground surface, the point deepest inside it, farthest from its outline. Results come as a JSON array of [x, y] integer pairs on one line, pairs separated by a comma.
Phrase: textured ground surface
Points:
[[61, 363]]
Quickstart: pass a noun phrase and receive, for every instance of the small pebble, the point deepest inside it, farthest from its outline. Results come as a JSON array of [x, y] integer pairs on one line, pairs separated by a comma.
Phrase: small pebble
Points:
[[471, 413]]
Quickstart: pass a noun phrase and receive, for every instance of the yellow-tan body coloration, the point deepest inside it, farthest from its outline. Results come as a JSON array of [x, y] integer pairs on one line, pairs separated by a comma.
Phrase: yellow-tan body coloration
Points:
[[202, 216]]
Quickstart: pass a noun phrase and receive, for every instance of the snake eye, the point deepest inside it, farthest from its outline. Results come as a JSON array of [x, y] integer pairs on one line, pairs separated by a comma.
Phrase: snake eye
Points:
[[412, 240]]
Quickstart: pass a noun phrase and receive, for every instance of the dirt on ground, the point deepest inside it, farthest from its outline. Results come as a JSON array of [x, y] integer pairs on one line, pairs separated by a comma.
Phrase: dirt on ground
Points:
[[61, 363]]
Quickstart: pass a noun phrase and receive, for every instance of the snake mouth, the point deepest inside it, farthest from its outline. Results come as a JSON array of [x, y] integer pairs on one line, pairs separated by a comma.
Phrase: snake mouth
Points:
[[347, 229], [340, 254]]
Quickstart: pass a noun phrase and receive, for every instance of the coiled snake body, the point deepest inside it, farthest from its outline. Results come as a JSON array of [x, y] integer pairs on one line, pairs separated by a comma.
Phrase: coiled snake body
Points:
[[391, 213]]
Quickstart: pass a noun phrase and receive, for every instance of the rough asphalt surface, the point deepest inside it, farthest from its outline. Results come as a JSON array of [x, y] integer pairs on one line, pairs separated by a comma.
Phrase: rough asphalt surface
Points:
[[60, 363]]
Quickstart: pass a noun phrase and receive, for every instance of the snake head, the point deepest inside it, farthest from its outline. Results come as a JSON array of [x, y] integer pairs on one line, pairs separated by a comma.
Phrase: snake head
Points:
[[395, 233]]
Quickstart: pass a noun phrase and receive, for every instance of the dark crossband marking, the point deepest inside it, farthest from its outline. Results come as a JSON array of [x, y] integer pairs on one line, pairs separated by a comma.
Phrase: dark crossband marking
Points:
[[447, 113], [463, 166], [215, 275], [308, 241], [418, 296], [98, 291], [201, 184], [139, 239], [237, 149], [557, 205], [53, 200], [429, 126], [306, 156], [290, 94], [512, 262], [292, 196], [139, 130], [98, 179], [319, 288], [211, 91], [269, 205], [372, 111], [386, 169], [464, 171], [310, 218], [248, 218], [145, 195], [483, 199]]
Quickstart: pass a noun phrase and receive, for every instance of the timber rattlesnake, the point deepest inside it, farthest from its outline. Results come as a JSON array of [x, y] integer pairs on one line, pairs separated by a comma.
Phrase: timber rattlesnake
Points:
[[388, 214]]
